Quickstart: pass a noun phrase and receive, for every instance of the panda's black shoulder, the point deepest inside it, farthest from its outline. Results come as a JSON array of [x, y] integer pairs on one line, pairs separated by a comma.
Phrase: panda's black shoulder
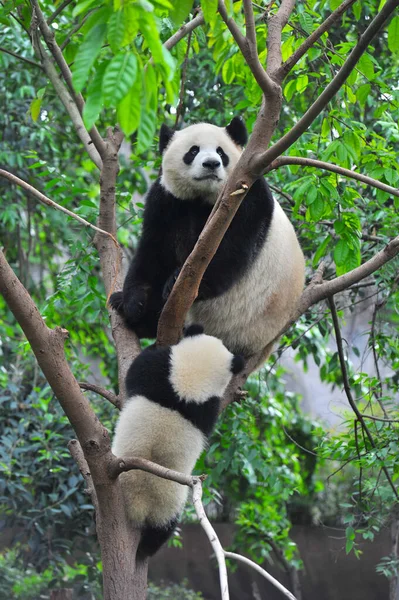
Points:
[[148, 375]]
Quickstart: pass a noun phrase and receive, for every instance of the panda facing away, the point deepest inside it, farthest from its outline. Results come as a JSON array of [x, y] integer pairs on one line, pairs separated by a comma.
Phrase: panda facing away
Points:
[[253, 282], [174, 395]]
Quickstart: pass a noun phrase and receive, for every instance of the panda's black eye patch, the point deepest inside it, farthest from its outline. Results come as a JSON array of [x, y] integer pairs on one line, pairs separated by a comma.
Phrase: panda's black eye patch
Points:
[[190, 155], [223, 156]]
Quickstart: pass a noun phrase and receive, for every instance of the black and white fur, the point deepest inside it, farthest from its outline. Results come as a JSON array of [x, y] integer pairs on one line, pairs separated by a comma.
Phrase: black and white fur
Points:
[[174, 397], [256, 276]]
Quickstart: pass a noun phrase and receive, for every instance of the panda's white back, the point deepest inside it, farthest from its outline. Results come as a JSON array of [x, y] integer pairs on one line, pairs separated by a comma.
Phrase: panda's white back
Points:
[[253, 311], [163, 436]]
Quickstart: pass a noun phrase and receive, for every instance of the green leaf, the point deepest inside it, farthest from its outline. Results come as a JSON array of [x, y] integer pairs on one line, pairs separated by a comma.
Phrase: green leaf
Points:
[[35, 108], [129, 110], [180, 11], [119, 77], [87, 54], [306, 21], [301, 83], [228, 71], [366, 67], [357, 10], [116, 30], [362, 93], [393, 35], [209, 8], [317, 208], [147, 128], [321, 250], [94, 98], [81, 7], [341, 252]]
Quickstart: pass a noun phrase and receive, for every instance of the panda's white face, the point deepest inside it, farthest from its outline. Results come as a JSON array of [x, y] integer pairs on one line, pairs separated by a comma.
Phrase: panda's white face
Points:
[[201, 367], [197, 162]]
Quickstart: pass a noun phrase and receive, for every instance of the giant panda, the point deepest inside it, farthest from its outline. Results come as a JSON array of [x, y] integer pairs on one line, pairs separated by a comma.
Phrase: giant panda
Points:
[[253, 282], [174, 394]]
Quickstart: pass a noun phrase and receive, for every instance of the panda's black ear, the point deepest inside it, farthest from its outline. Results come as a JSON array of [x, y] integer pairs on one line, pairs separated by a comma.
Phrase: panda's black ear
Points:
[[193, 330], [237, 131], [165, 135], [237, 364]]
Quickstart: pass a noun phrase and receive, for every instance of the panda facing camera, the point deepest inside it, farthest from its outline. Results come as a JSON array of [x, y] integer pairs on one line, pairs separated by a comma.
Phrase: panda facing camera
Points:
[[174, 395], [252, 284]]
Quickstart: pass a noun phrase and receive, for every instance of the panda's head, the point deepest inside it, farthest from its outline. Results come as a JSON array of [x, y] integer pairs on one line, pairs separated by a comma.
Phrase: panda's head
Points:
[[196, 161], [201, 366]]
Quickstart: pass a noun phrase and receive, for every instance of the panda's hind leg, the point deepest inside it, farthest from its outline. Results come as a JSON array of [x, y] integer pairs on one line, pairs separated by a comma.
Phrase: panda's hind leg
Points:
[[152, 538]]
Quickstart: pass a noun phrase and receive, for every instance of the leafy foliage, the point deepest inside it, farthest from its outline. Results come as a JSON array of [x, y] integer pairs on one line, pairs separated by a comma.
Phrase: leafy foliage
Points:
[[258, 476]]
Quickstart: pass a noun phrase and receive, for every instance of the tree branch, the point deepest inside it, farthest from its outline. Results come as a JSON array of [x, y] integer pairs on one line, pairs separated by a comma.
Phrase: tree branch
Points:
[[29, 188], [58, 11], [248, 49], [49, 38], [320, 164], [349, 393], [77, 454], [113, 398], [261, 162], [285, 68], [122, 465], [48, 347], [213, 538], [126, 341], [264, 573], [276, 24], [19, 57], [184, 30], [65, 98]]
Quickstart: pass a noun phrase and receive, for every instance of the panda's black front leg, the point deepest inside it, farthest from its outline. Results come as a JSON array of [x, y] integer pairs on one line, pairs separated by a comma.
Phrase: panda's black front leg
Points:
[[131, 303], [170, 282]]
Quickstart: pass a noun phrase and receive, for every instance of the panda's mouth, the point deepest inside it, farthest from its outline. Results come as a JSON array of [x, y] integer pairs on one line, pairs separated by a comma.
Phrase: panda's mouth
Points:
[[211, 176]]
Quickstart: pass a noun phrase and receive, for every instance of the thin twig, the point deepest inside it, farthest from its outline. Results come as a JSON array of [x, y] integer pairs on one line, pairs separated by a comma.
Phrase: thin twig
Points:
[[179, 109], [213, 538], [113, 398], [349, 393], [312, 39], [264, 573], [23, 58], [122, 465], [319, 164], [29, 188], [57, 11], [77, 453]]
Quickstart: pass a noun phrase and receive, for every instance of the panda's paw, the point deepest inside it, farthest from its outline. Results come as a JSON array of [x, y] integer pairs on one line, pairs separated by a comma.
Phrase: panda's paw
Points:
[[116, 302], [170, 282], [135, 308]]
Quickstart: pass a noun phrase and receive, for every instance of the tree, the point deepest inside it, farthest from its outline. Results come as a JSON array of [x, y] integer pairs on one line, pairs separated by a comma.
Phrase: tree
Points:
[[124, 57]]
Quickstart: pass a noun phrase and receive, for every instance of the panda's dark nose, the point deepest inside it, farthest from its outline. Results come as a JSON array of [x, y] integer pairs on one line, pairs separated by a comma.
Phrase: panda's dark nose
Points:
[[211, 164]]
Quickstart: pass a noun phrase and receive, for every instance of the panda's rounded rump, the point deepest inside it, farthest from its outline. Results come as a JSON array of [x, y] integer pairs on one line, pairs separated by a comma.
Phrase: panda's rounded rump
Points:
[[200, 368]]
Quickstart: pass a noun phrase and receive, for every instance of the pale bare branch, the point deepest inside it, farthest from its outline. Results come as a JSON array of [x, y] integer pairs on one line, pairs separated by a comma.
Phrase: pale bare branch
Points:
[[285, 68], [319, 164], [29, 188], [276, 24], [19, 57], [213, 538]]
